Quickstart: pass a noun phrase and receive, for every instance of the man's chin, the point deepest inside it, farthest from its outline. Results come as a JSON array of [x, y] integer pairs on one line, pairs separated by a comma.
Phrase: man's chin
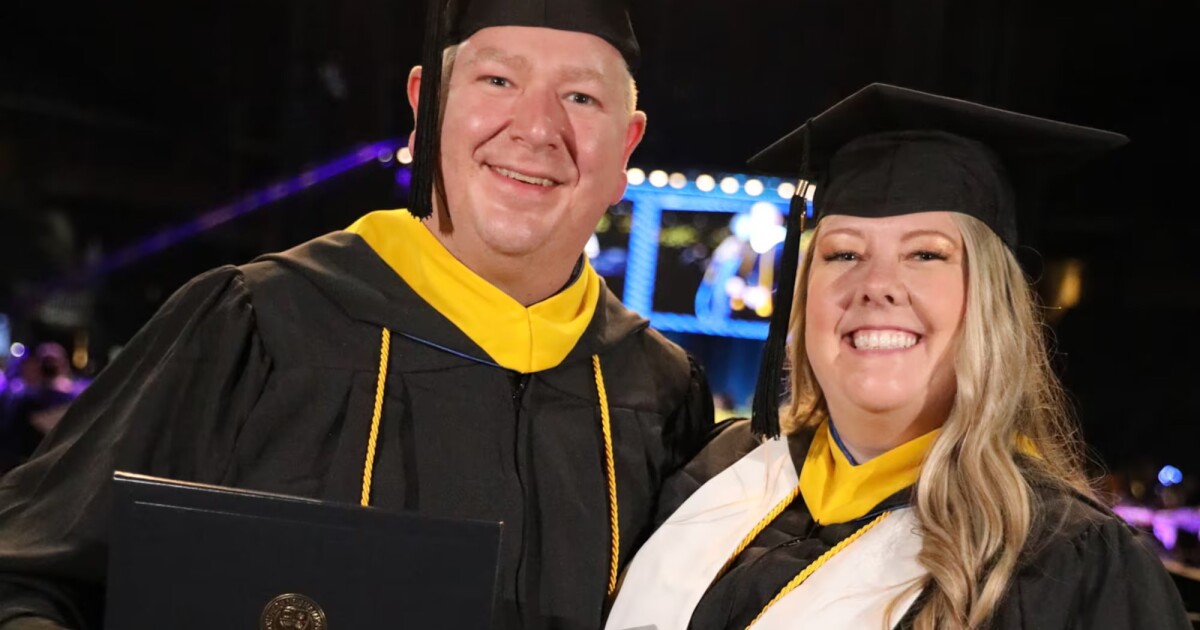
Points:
[[515, 247], [517, 236]]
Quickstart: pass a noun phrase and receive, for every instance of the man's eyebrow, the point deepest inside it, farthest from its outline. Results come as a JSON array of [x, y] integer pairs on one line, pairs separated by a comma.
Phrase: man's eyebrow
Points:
[[580, 73], [490, 53]]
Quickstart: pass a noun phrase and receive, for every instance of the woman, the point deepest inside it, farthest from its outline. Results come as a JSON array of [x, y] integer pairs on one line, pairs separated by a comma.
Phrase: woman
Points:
[[929, 477]]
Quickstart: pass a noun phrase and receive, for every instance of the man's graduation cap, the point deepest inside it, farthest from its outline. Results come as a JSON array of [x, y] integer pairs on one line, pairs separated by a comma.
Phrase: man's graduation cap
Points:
[[887, 151], [450, 22]]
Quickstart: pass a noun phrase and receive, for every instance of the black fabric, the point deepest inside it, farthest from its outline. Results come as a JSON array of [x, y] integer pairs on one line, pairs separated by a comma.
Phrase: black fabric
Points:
[[606, 19], [32, 623], [983, 161], [902, 172], [19, 437], [1084, 568], [263, 377]]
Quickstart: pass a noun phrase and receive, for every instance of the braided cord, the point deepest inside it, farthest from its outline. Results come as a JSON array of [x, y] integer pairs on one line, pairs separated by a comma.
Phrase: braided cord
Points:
[[369, 467], [766, 520], [816, 564], [610, 474]]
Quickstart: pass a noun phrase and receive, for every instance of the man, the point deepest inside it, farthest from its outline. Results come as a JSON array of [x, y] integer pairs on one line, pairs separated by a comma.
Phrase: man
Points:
[[472, 366]]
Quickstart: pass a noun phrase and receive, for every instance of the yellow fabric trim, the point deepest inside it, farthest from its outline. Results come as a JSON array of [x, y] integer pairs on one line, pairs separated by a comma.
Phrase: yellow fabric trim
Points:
[[385, 347], [836, 491], [1025, 446], [816, 564], [610, 475], [525, 339]]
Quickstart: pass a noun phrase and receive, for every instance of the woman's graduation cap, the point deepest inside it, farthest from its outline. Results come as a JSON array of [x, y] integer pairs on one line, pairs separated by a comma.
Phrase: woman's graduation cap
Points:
[[450, 22], [887, 151]]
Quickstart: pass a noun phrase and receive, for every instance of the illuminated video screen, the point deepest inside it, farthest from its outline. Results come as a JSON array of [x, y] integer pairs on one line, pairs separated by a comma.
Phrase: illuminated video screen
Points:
[[702, 256]]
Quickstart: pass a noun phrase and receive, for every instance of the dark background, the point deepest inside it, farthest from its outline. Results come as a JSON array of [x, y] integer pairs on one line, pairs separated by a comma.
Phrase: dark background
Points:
[[124, 117]]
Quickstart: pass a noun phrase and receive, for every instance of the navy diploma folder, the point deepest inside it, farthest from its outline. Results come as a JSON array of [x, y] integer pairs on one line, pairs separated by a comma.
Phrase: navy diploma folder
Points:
[[194, 557]]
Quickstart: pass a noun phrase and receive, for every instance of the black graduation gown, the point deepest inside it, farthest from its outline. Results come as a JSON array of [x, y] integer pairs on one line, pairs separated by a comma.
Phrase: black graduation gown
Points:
[[1084, 568], [263, 377]]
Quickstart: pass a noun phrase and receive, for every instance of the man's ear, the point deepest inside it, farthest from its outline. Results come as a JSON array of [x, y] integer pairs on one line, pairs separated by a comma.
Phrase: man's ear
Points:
[[414, 100], [634, 133], [633, 137]]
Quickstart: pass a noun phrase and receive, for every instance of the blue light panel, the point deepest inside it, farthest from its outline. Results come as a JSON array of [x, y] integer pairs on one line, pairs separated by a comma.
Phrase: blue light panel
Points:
[[649, 201]]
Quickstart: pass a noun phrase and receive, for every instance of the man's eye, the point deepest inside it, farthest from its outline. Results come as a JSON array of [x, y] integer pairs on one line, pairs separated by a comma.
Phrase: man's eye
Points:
[[497, 81], [580, 98]]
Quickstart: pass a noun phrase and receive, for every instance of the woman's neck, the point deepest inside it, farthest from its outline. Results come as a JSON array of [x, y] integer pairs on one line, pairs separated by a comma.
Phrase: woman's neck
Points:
[[867, 436]]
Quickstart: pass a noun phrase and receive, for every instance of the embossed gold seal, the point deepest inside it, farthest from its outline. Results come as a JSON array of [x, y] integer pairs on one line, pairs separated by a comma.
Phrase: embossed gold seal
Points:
[[292, 611]]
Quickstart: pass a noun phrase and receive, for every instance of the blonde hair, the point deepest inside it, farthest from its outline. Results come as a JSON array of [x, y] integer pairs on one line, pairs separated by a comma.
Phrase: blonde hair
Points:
[[974, 501]]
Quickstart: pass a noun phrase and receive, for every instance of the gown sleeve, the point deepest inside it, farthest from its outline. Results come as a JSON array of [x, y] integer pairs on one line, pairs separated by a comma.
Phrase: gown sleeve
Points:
[[691, 425], [1103, 578], [727, 442], [169, 405]]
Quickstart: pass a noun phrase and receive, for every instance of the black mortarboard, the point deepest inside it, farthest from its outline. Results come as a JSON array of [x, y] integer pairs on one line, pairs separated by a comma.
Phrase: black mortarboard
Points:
[[449, 22], [887, 151]]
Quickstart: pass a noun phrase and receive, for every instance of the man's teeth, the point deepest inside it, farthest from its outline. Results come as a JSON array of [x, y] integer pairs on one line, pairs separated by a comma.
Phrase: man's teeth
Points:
[[883, 340], [537, 181]]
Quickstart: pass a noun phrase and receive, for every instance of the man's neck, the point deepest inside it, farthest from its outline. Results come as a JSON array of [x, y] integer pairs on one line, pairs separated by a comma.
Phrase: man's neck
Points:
[[528, 279]]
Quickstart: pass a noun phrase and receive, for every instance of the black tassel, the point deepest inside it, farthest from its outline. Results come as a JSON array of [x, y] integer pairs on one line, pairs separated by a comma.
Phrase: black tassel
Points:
[[765, 415], [426, 162], [764, 419]]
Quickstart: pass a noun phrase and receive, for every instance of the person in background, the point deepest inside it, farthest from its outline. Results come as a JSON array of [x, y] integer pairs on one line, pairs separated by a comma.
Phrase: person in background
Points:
[[34, 402]]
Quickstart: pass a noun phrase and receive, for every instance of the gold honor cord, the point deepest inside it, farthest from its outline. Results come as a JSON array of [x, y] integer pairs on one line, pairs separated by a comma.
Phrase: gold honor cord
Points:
[[816, 564], [610, 470], [376, 415], [775, 512], [610, 474]]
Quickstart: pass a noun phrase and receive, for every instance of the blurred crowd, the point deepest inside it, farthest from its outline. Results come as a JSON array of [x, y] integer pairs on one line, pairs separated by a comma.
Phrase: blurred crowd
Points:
[[35, 391]]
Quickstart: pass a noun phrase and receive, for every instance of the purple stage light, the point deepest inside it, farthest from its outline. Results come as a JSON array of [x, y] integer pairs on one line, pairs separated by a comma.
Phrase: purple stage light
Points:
[[250, 202]]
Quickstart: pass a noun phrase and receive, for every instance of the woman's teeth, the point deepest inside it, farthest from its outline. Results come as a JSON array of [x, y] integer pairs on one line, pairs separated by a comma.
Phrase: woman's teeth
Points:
[[883, 340]]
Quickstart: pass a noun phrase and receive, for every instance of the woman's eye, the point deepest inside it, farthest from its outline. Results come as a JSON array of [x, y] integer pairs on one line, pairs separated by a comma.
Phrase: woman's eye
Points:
[[928, 255], [841, 256]]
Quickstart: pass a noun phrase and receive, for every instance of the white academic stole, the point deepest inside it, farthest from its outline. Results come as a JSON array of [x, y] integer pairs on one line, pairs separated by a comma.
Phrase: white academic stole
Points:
[[852, 589]]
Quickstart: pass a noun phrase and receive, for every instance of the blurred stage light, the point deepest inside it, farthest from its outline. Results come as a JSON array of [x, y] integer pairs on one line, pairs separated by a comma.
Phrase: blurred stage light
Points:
[[787, 190], [1070, 284], [706, 183], [766, 227], [729, 185], [658, 179], [404, 177], [404, 156], [635, 176], [677, 180], [754, 187], [1170, 475], [17, 350]]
